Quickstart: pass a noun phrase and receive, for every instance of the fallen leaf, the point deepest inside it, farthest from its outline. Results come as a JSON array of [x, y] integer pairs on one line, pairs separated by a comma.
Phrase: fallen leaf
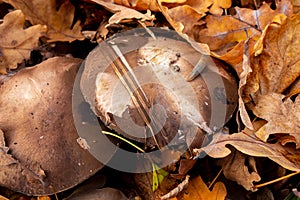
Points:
[[16, 42], [186, 15], [179, 28], [59, 22], [282, 116], [139, 4], [197, 189], [3, 198], [246, 70], [123, 13], [277, 67], [218, 6], [224, 32], [247, 143], [296, 5], [234, 169], [43, 198]]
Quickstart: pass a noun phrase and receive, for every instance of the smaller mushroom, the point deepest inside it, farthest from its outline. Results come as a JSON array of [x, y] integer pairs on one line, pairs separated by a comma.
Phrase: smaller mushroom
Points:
[[39, 153]]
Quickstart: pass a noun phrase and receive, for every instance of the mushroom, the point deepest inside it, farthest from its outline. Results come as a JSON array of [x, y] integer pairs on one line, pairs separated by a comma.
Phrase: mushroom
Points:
[[38, 140], [148, 87]]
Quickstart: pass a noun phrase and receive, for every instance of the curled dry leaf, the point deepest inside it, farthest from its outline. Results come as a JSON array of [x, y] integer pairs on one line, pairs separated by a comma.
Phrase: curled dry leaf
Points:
[[187, 16], [218, 6], [59, 22], [197, 189], [16, 42], [179, 27], [38, 150], [248, 143], [277, 67], [224, 34], [234, 169], [296, 6], [140, 4], [123, 13], [282, 116]]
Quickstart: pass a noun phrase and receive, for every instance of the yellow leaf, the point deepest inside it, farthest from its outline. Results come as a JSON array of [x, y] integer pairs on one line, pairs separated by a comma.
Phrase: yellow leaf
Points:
[[197, 189], [16, 43], [59, 23]]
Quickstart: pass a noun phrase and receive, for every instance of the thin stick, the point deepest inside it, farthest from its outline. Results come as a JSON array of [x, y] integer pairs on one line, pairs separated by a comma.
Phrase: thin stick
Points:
[[213, 182], [276, 180], [123, 139]]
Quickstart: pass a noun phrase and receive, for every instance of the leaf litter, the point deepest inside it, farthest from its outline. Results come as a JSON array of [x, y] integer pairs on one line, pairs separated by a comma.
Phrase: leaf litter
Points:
[[261, 45]]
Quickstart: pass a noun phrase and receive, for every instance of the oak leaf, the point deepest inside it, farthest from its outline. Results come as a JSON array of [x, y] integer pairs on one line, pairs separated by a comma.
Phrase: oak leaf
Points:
[[247, 143], [123, 13], [218, 6], [59, 22], [234, 169], [197, 189], [187, 16], [278, 64], [282, 116], [16, 43], [225, 32]]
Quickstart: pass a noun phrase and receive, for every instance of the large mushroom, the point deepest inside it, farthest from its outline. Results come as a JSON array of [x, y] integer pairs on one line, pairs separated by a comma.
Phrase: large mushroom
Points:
[[145, 86], [39, 153]]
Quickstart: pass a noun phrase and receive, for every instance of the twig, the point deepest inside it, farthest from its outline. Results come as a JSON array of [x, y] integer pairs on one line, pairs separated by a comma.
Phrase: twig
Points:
[[219, 173], [276, 180]]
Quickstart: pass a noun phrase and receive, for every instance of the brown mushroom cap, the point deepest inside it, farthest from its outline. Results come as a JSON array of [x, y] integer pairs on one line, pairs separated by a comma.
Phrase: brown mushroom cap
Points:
[[38, 148], [161, 66]]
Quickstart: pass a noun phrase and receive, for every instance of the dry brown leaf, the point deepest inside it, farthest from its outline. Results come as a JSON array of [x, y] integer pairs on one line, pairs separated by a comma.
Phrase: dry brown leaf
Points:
[[153, 5], [138, 4], [43, 198], [246, 70], [224, 32], [197, 189], [59, 23], [283, 116], [234, 169], [296, 5], [16, 43], [179, 27], [123, 13], [218, 6], [249, 144], [277, 67], [186, 15], [3, 198]]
